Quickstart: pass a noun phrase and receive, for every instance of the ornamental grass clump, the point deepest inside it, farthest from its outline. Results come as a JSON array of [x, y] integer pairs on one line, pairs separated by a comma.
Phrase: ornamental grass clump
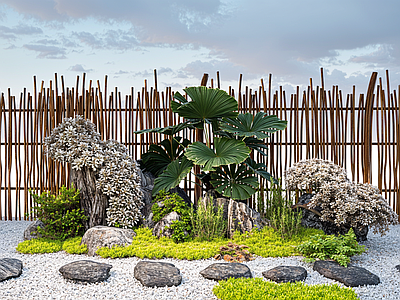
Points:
[[76, 141], [342, 201]]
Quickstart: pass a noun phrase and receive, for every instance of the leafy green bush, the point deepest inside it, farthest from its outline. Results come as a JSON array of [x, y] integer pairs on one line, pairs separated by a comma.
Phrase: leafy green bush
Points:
[[61, 214], [279, 212], [173, 202], [258, 289], [206, 223], [339, 248]]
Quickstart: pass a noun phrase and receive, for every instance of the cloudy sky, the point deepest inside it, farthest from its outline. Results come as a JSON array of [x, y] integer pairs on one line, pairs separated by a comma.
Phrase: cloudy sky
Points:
[[182, 39]]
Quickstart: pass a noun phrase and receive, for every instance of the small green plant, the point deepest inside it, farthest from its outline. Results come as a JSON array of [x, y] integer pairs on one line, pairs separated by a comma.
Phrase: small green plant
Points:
[[279, 212], [206, 223], [258, 289], [48, 245], [169, 203], [60, 214], [339, 248]]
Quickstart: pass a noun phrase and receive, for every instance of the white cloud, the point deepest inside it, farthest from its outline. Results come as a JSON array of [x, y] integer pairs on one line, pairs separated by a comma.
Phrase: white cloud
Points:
[[79, 68], [45, 51]]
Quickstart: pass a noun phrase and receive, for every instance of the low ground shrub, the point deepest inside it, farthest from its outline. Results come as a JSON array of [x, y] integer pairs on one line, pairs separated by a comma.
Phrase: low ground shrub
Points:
[[169, 203], [60, 214], [48, 245], [206, 223], [339, 248], [278, 211], [259, 289]]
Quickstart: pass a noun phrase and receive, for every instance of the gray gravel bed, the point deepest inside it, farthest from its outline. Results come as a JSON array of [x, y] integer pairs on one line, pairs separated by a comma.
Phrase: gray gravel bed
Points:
[[41, 279]]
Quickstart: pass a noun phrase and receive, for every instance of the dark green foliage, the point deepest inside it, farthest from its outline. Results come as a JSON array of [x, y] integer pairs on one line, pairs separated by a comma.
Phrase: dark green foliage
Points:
[[61, 214], [339, 248], [279, 212], [206, 223], [258, 289], [170, 203]]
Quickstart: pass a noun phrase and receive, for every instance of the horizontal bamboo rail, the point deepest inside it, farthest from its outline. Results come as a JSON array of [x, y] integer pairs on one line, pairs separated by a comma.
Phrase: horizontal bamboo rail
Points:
[[360, 132]]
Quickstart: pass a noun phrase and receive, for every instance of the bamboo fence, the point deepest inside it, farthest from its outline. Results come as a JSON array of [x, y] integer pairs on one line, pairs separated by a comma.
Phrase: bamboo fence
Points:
[[360, 132]]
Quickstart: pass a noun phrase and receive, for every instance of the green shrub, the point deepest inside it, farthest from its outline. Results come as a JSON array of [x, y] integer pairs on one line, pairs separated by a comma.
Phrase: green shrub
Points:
[[279, 212], [258, 289], [73, 246], [339, 248], [40, 245], [173, 202], [61, 214], [206, 224]]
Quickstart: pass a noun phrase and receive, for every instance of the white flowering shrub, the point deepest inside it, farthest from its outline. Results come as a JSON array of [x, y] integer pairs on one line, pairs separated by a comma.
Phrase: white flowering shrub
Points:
[[76, 141], [343, 201]]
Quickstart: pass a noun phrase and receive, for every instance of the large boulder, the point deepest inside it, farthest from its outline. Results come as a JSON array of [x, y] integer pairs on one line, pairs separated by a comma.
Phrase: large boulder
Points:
[[312, 220], [157, 274], [160, 229], [351, 276], [223, 271], [86, 271], [10, 268], [103, 236], [31, 232]]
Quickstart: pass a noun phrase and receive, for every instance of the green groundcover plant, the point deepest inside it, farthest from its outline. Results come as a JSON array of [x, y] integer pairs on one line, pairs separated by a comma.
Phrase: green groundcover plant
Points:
[[259, 289], [339, 248], [48, 245]]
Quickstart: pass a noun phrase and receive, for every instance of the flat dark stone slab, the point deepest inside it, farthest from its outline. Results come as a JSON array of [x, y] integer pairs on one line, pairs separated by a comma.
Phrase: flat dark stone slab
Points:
[[283, 274], [10, 268], [86, 271], [351, 276], [223, 271], [159, 274]]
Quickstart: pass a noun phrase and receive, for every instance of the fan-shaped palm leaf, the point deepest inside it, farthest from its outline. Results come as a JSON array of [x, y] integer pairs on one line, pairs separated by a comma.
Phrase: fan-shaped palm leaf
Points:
[[226, 151]]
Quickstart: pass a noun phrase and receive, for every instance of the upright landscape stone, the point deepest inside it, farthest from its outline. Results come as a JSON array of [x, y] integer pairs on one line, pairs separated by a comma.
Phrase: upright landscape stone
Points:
[[86, 271], [157, 274], [351, 276], [160, 229], [103, 236], [31, 232], [10, 268]]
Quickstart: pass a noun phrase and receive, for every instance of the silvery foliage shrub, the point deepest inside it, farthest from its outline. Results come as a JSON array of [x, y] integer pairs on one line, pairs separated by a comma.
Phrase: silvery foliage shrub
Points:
[[76, 141], [343, 201]]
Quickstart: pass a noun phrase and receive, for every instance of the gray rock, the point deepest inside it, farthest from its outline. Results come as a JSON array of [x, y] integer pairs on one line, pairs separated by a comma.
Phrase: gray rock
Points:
[[309, 219], [31, 231], [398, 267], [86, 271], [147, 185], [10, 268], [103, 236], [160, 230], [351, 276], [223, 271], [283, 274], [157, 274]]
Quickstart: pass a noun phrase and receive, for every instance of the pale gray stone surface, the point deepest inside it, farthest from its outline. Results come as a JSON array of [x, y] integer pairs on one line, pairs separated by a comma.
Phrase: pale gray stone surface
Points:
[[31, 231], [103, 236]]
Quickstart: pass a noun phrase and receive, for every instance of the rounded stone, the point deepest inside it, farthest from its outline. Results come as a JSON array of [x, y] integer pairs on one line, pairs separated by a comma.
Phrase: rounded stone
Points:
[[283, 274]]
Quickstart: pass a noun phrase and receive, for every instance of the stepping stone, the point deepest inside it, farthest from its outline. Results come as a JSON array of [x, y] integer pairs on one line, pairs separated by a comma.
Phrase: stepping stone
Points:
[[158, 274], [283, 274], [10, 268], [398, 267], [351, 276], [104, 236], [86, 271], [223, 271]]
